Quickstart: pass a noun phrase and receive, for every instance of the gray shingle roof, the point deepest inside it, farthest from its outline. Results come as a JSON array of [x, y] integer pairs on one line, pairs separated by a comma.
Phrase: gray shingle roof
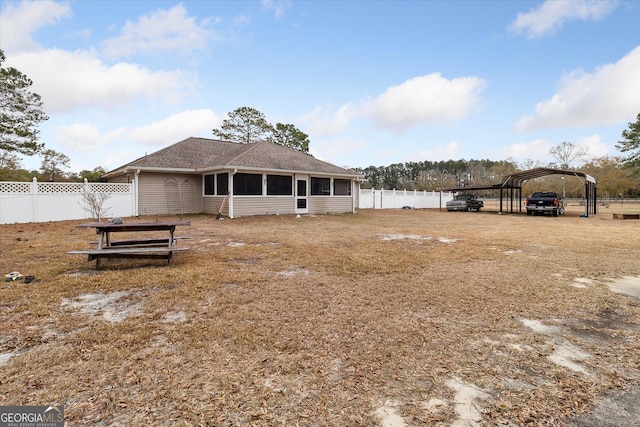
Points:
[[201, 154]]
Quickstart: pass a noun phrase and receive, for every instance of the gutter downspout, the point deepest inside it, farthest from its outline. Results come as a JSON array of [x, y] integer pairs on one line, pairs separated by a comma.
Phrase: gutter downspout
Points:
[[230, 186], [135, 193]]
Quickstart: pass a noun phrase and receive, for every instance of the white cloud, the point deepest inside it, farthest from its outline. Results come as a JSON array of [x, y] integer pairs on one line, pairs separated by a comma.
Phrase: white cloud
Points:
[[552, 14], [85, 137], [429, 99], [536, 149], [608, 96], [161, 31], [424, 100], [452, 150], [323, 122], [278, 7], [71, 80], [176, 128], [19, 20], [334, 149], [594, 145]]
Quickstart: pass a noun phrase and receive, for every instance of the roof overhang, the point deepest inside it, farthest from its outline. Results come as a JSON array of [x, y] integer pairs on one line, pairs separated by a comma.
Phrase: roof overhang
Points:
[[133, 170]]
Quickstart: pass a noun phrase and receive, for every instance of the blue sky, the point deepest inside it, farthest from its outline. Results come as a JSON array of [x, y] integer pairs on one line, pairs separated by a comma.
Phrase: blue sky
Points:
[[370, 82]]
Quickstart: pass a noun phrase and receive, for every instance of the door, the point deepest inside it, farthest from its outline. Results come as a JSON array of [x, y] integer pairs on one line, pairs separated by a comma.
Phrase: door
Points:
[[301, 194]]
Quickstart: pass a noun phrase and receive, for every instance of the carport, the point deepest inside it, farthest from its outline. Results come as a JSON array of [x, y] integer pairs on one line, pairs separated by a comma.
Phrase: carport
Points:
[[511, 188]]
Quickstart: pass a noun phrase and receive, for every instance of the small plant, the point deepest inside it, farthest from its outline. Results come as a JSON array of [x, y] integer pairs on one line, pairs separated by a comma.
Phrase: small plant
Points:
[[94, 203]]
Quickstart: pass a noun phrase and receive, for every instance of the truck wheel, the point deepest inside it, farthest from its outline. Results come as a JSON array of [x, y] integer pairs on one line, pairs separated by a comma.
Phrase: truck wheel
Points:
[[529, 213], [555, 212]]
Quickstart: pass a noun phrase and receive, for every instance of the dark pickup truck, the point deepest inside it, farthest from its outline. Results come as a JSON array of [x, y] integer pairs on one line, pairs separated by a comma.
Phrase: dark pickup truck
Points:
[[465, 202], [542, 202]]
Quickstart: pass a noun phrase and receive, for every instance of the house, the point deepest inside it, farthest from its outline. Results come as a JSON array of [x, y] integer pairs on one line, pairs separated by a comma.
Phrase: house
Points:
[[263, 178]]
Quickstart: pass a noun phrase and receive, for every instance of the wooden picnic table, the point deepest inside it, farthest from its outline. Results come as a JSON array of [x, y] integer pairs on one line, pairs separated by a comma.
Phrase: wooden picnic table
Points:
[[147, 248]]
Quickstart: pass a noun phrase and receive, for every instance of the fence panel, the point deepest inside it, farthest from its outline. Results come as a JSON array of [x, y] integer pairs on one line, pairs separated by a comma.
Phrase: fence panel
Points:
[[397, 199], [58, 201], [35, 201]]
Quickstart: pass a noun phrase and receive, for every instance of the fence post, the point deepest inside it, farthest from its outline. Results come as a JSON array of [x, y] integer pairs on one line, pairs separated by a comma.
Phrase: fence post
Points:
[[34, 199], [87, 214]]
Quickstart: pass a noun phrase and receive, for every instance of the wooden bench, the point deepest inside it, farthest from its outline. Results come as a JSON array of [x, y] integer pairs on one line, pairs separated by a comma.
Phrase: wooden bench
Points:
[[130, 252], [142, 242]]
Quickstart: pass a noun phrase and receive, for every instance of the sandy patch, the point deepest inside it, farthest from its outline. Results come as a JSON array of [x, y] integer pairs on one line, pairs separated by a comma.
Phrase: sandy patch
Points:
[[294, 272], [539, 327], [388, 415], [4, 357], [513, 251], [113, 307], [434, 405], [581, 282], [628, 285], [568, 356], [464, 403], [403, 237], [446, 240], [564, 353], [175, 317]]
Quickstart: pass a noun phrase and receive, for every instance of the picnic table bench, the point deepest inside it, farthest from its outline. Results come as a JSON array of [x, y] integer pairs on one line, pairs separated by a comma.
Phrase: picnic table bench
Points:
[[140, 248]]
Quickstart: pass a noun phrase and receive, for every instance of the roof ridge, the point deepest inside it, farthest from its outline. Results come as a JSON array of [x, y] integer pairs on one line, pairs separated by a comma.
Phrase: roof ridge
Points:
[[245, 148]]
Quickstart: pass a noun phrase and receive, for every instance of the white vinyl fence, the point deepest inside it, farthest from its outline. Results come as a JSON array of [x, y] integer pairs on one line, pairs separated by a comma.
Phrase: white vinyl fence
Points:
[[397, 199], [35, 201], [57, 201]]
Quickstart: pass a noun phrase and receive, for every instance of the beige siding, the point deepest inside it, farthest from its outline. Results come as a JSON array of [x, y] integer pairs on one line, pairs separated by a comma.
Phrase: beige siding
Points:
[[211, 205], [326, 204], [162, 194], [262, 205]]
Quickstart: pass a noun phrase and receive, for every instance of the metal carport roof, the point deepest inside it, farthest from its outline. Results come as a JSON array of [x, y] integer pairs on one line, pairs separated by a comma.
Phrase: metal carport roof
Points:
[[512, 184]]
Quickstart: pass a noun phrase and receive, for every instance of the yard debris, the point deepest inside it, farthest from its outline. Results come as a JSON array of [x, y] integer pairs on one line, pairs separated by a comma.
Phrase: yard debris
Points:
[[13, 276]]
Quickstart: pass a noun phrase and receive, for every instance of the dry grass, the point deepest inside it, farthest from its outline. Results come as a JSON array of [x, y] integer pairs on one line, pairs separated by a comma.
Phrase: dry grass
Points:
[[325, 320]]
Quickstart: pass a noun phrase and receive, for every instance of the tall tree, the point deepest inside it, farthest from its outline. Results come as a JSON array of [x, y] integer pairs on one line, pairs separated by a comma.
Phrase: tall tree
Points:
[[20, 112], [52, 164], [289, 136], [244, 125], [567, 153], [631, 144], [10, 167]]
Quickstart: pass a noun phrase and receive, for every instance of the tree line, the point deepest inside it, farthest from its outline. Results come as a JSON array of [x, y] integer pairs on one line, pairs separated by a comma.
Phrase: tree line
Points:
[[612, 179]]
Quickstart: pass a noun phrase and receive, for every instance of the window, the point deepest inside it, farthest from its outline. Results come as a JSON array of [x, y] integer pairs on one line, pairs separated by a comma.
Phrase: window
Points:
[[247, 184], [222, 184], [209, 185], [341, 187], [279, 185], [320, 186]]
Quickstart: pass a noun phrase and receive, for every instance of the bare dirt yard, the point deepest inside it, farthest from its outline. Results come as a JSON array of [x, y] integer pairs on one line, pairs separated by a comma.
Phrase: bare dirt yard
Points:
[[381, 318]]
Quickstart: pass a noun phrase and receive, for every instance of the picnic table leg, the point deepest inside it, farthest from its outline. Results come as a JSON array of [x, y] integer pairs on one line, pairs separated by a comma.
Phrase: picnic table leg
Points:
[[100, 239], [171, 241]]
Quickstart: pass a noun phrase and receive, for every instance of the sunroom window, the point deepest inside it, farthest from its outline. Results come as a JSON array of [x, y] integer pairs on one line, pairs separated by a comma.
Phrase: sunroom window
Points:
[[247, 184], [279, 185], [320, 186]]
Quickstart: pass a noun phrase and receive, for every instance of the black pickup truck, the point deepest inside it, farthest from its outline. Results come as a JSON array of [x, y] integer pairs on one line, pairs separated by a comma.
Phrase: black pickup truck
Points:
[[542, 202]]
